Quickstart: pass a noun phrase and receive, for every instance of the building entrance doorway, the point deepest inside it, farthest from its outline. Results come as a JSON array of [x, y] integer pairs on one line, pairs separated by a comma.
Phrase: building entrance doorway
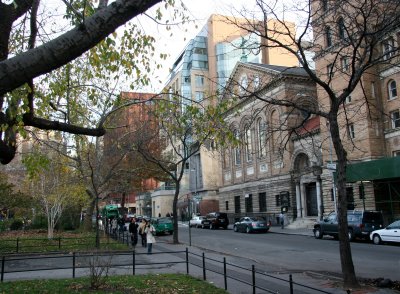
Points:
[[311, 199]]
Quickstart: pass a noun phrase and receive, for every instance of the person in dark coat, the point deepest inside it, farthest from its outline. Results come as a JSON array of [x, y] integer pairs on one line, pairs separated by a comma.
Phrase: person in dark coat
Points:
[[133, 230]]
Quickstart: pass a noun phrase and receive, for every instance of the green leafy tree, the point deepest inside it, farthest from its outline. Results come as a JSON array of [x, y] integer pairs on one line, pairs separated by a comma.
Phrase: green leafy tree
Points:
[[183, 128], [54, 185], [28, 51], [13, 201]]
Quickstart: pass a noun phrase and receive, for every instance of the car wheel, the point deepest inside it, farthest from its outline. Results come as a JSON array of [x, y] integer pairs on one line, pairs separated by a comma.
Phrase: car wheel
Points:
[[376, 239], [351, 235], [318, 233], [235, 229], [248, 230]]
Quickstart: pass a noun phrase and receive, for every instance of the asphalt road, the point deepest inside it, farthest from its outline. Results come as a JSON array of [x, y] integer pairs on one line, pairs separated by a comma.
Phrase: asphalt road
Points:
[[293, 253]]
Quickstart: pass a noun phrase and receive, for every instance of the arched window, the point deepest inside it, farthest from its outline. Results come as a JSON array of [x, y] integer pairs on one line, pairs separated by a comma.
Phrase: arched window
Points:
[[237, 150], [262, 138], [248, 143], [328, 36], [243, 84], [388, 48], [392, 88], [324, 5], [341, 29]]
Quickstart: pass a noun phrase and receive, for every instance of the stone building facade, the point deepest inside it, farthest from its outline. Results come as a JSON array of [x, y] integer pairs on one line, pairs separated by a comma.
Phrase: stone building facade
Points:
[[275, 167]]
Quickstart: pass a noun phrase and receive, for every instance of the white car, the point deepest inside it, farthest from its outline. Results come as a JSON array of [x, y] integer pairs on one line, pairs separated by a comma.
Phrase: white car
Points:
[[389, 234], [196, 221]]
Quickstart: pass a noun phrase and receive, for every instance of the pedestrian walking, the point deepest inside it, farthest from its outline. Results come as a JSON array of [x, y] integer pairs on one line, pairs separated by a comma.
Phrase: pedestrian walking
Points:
[[114, 224], [142, 233], [150, 232], [282, 220], [133, 230]]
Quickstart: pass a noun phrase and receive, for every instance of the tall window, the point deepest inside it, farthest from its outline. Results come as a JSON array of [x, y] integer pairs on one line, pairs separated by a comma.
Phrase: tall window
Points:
[[324, 5], [388, 48], [237, 152], [262, 201], [248, 202], [392, 88], [345, 63], [341, 29], [262, 138], [243, 85], [395, 119], [329, 71], [237, 204], [328, 36], [350, 198], [199, 80], [351, 131], [199, 96], [226, 205], [249, 146]]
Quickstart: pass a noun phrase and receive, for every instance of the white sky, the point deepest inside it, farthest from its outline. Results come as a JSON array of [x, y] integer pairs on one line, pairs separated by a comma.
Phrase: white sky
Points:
[[173, 42]]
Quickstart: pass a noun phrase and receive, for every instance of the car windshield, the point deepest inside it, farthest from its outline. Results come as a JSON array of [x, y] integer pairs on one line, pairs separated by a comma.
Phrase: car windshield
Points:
[[372, 217], [257, 219], [164, 221]]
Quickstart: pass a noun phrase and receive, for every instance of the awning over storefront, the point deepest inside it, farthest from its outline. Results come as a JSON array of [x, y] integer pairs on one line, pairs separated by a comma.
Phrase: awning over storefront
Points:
[[386, 168]]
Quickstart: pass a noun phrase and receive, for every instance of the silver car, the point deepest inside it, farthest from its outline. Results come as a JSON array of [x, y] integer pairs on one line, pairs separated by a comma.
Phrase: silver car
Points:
[[196, 221], [389, 234]]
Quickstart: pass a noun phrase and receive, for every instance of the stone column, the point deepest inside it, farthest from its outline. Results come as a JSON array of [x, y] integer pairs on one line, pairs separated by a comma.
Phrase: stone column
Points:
[[319, 200], [298, 200], [303, 200]]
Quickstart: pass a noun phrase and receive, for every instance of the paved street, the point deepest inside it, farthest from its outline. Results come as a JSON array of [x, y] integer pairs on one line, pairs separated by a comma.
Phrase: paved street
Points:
[[296, 250], [276, 254]]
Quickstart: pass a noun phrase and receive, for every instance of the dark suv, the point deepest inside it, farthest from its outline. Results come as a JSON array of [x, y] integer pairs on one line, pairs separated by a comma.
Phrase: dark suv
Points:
[[215, 220], [361, 224]]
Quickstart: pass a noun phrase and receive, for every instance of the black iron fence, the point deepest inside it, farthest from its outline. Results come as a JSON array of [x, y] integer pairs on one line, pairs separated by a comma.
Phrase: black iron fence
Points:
[[131, 261]]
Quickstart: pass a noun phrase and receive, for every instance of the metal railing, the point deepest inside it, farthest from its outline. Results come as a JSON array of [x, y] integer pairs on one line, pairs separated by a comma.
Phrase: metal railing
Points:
[[255, 279]]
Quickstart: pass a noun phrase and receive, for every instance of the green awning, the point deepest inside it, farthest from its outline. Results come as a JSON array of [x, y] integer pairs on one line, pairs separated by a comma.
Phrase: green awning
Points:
[[379, 169]]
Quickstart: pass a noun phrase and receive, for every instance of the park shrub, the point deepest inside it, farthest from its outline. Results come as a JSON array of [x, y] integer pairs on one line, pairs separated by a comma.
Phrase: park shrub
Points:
[[17, 224]]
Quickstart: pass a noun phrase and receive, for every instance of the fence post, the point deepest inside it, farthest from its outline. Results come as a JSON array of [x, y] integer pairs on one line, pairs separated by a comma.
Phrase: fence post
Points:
[[253, 278], [204, 267], [225, 277], [73, 265], [3, 261], [291, 283], [133, 262], [187, 261], [59, 243], [17, 245]]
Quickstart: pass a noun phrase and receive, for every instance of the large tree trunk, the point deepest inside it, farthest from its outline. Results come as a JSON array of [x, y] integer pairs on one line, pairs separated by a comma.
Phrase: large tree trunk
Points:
[[175, 212], [87, 223], [349, 276]]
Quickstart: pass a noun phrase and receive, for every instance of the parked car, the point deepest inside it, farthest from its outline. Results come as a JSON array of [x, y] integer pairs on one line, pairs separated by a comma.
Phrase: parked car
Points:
[[361, 223], [251, 224], [215, 220], [196, 221], [162, 225], [389, 234]]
